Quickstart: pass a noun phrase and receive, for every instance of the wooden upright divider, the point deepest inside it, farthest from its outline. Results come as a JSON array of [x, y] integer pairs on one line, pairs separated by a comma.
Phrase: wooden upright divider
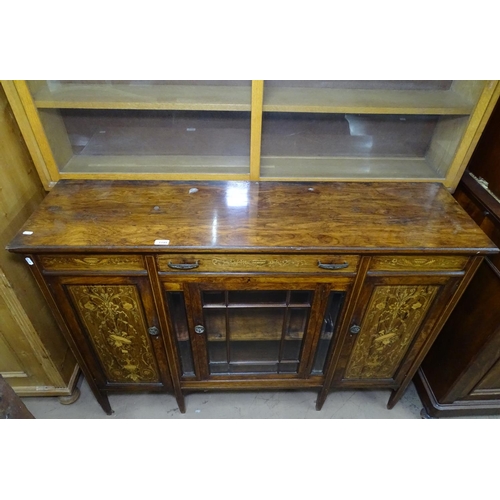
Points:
[[256, 128]]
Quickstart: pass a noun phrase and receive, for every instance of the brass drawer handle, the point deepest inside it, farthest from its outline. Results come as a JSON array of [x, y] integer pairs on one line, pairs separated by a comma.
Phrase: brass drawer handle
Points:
[[183, 266], [332, 266]]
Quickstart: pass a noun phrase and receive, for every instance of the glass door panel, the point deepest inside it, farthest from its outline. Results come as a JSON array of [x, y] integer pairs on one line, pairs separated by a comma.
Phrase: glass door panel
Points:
[[177, 312], [146, 126], [373, 129], [250, 331], [328, 331]]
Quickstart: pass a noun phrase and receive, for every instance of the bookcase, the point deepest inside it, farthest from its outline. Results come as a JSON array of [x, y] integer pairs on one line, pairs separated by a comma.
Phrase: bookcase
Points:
[[368, 130]]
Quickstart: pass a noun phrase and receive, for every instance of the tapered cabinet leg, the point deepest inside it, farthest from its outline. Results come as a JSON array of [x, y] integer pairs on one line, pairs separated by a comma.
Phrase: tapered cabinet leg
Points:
[[321, 399], [103, 400], [181, 403], [396, 395]]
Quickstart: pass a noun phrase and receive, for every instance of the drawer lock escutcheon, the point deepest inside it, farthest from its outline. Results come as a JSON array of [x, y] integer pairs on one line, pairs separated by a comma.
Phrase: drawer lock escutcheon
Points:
[[199, 329]]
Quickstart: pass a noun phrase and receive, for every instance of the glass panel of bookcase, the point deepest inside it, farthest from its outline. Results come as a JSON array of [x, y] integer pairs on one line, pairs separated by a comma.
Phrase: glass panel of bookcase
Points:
[[398, 129], [348, 145], [177, 310], [177, 127], [328, 331], [255, 331]]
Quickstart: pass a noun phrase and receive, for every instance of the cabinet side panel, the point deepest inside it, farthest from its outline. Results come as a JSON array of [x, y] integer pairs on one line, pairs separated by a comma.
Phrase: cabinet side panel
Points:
[[491, 381], [464, 336], [446, 138]]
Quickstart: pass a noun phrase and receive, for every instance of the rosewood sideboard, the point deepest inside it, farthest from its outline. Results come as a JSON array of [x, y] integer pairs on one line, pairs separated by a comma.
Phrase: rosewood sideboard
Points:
[[181, 286]]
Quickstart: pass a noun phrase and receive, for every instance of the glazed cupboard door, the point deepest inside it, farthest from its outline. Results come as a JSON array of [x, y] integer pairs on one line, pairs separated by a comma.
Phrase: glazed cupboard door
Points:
[[392, 321], [114, 324], [261, 330]]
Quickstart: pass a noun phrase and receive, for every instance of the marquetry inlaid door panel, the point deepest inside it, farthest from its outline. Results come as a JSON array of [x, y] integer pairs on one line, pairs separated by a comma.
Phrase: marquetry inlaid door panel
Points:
[[114, 322], [386, 330]]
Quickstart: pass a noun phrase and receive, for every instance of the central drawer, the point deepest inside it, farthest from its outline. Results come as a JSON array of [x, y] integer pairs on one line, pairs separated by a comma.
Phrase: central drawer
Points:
[[216, 263]]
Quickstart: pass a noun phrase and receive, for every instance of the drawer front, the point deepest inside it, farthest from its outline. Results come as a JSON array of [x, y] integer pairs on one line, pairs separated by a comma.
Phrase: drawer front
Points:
[[92, 262], [419, 263], [258, 263]]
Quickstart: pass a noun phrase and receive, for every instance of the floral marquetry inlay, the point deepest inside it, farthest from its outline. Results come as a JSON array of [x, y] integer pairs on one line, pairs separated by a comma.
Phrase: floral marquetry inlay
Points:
[[114, 320], [104, 262], [274, 263], [409, 263], [393, 317]]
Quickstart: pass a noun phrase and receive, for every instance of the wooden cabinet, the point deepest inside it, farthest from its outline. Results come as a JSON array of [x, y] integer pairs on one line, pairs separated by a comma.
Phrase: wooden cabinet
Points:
[[461, 374], [183, 286], [35, 360], [373, 130]]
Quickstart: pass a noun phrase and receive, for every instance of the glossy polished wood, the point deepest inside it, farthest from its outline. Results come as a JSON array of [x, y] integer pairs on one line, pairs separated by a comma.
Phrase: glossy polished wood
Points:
[[250, 216], [91, 243]]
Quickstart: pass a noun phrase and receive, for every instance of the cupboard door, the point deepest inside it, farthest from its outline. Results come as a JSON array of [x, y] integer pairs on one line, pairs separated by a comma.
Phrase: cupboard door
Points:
[[263, 330], [393, 319], [114, 324]]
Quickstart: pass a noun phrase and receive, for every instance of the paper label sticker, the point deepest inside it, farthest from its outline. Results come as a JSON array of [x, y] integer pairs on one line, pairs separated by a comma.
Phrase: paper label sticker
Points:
[[28, 232], [29, 261], [162, 242]]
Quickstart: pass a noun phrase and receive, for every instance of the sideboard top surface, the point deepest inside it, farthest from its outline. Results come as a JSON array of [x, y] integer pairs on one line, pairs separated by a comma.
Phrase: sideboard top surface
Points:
[[127, 216]]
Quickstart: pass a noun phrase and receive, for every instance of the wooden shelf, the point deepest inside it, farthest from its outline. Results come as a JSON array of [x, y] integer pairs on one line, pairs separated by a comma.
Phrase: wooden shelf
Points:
[[349, 169], [165, 166], [123, 96], [328, 100]]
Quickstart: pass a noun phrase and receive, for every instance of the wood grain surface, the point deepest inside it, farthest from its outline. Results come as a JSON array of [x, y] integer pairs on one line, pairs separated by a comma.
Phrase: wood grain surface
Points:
[[250, 216]]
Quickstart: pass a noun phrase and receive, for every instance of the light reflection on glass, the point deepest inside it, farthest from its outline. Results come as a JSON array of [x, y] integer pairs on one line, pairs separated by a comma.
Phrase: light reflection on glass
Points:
[[214, 230], [358, 128], [237, 196]]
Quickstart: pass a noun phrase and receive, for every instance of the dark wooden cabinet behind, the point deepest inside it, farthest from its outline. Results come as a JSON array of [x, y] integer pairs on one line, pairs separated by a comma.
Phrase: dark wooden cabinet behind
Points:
[[461, 374], [182, 286]]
